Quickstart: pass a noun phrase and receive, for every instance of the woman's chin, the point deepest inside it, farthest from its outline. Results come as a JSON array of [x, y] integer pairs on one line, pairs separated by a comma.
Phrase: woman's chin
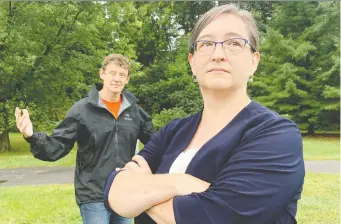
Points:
[[218, 85]]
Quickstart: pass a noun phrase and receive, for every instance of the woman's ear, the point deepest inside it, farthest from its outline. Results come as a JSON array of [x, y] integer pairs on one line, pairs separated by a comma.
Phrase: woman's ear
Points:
[[255, 60], [190, 61]]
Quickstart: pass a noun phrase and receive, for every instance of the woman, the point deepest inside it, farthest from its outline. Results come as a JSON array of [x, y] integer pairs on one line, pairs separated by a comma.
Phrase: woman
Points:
[[233, 162]]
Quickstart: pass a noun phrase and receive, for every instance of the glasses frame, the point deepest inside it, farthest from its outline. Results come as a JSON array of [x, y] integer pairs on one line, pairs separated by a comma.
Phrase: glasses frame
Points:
[[222, 42]]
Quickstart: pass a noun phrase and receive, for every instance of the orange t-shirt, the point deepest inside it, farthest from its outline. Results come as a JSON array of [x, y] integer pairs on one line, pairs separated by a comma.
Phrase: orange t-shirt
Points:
[[114, 107]]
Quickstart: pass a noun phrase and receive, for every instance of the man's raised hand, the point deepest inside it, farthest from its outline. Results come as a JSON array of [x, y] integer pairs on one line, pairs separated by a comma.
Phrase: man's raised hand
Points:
[[23, 121]]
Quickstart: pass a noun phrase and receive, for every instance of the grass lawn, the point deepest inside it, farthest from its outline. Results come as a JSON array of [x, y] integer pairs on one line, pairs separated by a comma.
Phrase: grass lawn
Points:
[[320, 202], [314, 149], [46, 204], [55, 204], [321, 148]]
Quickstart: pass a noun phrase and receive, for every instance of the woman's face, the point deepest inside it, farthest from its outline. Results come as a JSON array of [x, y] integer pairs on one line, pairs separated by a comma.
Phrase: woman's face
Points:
[[221, 69]]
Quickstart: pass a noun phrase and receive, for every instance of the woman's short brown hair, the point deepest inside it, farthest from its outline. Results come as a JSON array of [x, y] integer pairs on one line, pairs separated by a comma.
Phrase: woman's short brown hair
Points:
[[206, 18]]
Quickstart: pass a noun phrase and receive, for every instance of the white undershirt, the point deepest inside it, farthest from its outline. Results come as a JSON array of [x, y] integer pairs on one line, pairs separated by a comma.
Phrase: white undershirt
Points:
[[181, 162]]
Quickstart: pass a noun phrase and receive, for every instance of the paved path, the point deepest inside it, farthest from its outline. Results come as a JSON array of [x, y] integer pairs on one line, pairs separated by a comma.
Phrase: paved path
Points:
[[36, 176], [64, 175], [325, 166]]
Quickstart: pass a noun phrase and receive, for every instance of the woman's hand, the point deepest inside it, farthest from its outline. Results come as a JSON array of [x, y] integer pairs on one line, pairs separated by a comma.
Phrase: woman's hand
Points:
[[137, 165]]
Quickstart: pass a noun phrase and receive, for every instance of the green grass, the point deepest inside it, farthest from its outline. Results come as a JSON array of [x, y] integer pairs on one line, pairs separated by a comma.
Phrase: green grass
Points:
[[49, 204], [321, 148], [320, 202], [55, 204]]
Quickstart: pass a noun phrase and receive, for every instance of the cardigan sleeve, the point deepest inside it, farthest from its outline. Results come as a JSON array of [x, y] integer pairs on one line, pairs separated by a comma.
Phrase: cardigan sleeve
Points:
[[258, 181], [152, 153], [156, 146]]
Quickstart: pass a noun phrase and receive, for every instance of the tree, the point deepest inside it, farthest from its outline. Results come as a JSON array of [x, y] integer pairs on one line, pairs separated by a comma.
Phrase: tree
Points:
[[296, 76], [187, 13], [50, 55]]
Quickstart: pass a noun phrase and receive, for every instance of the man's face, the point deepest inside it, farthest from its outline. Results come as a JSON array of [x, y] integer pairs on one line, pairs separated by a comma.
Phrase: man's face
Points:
[[114, 78]]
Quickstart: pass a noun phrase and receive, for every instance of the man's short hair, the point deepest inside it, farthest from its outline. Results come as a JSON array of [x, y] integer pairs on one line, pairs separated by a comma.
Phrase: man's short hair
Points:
[[118, 60]]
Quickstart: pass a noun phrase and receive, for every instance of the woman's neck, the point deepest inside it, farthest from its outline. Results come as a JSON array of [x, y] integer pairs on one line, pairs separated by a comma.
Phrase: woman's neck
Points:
[[223, 106]]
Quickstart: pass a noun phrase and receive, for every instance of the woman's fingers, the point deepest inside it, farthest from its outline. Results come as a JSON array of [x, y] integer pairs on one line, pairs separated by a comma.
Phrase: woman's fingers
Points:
[[140, 161]]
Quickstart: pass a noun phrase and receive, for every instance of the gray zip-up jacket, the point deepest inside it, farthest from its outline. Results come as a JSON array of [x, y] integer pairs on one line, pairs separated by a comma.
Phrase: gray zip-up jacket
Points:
[[104, 143]]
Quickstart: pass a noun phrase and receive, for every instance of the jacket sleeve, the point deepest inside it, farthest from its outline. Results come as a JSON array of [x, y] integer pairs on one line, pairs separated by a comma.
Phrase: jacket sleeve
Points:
[[146, 127], [255, 185], [156, 146], [60, 142]]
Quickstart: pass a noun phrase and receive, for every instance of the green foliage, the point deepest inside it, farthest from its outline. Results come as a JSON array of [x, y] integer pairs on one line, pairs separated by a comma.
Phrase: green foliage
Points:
[[167, 83], [299, 73], [159, 120]]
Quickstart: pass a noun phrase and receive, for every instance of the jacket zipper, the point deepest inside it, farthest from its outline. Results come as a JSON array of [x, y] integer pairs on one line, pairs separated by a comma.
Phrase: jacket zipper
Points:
[[115, 136], [115, 129]]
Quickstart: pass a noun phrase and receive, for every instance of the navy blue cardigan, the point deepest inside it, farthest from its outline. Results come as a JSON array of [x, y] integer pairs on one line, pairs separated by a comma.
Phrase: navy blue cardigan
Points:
[[254, 164]]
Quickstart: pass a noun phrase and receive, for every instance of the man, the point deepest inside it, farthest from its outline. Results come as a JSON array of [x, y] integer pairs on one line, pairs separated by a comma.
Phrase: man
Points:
[[106, 125]]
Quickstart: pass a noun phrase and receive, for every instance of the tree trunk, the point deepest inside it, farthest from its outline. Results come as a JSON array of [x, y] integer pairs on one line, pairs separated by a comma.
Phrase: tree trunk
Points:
[[311, 130], [4, 142]]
